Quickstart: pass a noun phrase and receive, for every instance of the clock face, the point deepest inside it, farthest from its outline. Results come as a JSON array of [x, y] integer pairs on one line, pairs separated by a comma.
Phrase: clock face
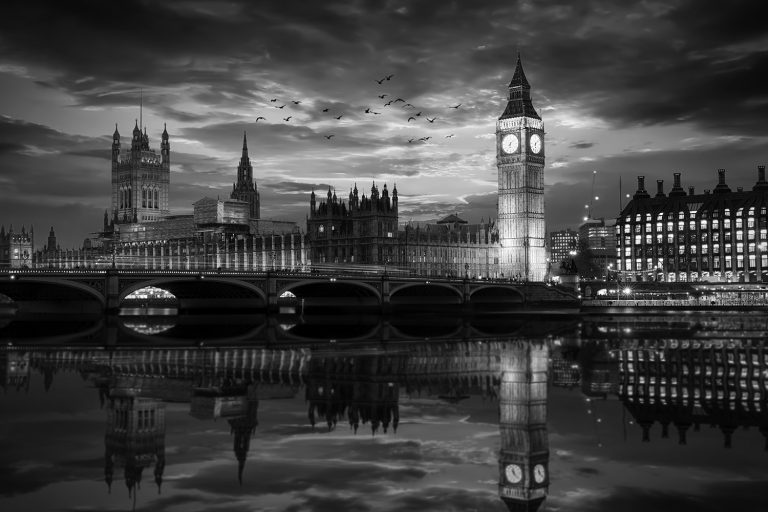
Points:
[[509, 143], [539, 473], [514, 473], [535, 142]]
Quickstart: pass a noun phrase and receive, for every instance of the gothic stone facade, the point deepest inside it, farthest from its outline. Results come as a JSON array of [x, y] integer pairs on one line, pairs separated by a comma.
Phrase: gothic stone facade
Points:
[[520, 162]]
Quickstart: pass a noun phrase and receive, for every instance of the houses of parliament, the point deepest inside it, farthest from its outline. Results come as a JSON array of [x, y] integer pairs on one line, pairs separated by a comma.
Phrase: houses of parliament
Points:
[[140, 231]]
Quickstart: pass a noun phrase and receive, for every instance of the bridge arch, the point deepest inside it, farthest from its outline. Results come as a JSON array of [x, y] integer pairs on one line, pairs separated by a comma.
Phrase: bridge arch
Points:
[[23, 288], [204, 291], [333, 294], [491, 292], [426, 293]]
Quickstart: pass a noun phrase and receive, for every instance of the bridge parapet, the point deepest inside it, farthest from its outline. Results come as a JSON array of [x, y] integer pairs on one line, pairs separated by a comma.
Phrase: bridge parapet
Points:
[[245, 289]]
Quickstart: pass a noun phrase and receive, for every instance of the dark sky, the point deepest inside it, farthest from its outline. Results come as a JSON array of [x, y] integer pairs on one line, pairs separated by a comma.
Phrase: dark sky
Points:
[[652, 88]]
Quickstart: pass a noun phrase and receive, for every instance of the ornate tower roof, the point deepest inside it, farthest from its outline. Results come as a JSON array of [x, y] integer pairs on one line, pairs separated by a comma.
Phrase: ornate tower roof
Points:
[[519, 104]]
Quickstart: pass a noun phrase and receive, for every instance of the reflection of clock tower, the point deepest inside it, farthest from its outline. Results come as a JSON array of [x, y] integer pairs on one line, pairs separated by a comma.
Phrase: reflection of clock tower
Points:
[[524, 454], [520, 161]]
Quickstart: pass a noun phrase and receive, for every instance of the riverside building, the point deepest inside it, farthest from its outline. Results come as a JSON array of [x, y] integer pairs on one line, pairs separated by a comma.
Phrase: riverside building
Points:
[[720, 235]]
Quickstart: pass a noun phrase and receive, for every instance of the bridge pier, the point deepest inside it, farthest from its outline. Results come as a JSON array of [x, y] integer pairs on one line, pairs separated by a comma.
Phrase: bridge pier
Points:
[[271, 285], [112, 291], [386, 305]]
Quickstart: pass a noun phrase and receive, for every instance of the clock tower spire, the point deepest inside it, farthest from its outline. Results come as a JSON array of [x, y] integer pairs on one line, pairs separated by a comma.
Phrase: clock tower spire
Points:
[[520, 163]]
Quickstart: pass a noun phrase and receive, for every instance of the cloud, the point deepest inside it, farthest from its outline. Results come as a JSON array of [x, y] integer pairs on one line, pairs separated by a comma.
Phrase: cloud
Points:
[[581, 145]]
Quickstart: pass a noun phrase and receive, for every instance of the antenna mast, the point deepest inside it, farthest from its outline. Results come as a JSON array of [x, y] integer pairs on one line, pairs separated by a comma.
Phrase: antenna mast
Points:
[[141, 108]]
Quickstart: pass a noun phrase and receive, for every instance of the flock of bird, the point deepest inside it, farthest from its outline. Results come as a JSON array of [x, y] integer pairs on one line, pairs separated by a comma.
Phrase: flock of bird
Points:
[[412, 116]]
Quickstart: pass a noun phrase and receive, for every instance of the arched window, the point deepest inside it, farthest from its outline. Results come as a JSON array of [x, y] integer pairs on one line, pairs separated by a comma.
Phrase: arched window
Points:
[[130, 197], [157, 203], [121, 197], [143, 197]]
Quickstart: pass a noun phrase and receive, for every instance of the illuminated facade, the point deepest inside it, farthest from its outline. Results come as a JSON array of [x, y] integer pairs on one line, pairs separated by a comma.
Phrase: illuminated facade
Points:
[[227, 234], [520, 162], [16, 248], [562, 247], [715, 236], [140, 179]]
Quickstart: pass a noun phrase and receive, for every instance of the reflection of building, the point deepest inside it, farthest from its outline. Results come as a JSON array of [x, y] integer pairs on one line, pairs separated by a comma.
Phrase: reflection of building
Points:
[[16, 248], [520, 162], [238, 403], [715, 236], [693, 382], [364, 388], [135, 438], [14, 369], [524, 454]]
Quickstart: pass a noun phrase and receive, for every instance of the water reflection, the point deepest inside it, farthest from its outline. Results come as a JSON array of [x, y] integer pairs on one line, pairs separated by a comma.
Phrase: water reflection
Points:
[[324, 393]]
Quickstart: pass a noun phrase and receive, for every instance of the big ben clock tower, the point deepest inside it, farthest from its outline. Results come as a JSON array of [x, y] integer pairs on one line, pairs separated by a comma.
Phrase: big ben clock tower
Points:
[[524, 453], [520, 161]]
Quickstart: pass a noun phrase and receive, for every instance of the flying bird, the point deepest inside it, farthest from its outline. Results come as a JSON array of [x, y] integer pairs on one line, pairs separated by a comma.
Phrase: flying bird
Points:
[[260, 117], [273, 100], [296, 102], [431, 120], [425, 139], [388, 77], [409, 119], [380, 81], [408, 105], [281, 106], [399, 99], [342, 115], [328, 136], [325, 110], [449, 136], [410, 141], [382, 96], [388, 103], [417, 115], [456, 106], [287, 118]]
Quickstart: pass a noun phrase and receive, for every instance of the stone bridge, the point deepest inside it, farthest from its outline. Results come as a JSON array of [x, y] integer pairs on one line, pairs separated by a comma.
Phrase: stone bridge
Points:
[[89, 291]]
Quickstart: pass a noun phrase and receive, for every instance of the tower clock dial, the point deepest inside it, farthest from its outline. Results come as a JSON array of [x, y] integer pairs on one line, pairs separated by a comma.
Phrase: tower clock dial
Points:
[[539, 473], [509, 143], [535, 143], [514, 473]]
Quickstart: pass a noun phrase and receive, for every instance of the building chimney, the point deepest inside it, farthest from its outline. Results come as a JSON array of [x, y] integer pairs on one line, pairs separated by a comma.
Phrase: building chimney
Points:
[[641, 192], [761, 183], [690, 191], [721, 187], [659, 188], [677, 189]]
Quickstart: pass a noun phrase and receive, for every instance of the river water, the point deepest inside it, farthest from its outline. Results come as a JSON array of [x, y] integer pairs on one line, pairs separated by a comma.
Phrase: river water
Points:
[[521, 412]]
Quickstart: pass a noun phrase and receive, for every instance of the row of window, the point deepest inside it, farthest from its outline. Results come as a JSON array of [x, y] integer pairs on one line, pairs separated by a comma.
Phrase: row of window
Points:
[[150, 197], [681, 215], [717, 262]]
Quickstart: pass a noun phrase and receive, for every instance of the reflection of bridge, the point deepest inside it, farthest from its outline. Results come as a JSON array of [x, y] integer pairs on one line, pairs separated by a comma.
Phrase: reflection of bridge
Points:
[[105, 290]]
